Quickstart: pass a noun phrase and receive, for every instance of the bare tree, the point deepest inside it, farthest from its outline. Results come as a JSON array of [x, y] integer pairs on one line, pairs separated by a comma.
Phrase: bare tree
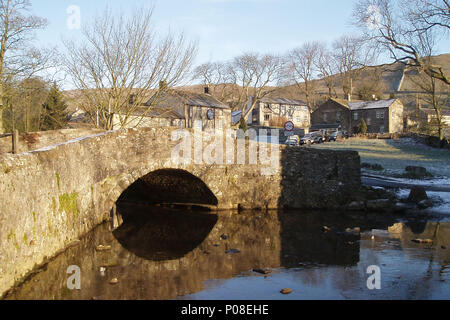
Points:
[[404, 29], [17, 55], [351, 55], [302, 68], [253, 74], [215, 76], [435, 95], [428, 14], [121, 62], [327, 67]]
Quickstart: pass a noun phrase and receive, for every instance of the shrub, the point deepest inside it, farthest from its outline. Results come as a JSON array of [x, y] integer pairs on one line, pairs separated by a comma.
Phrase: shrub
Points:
[[363, 127]]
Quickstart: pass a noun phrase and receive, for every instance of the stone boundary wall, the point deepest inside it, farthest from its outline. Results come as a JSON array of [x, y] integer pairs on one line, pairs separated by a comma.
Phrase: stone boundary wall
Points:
[[51, 197]]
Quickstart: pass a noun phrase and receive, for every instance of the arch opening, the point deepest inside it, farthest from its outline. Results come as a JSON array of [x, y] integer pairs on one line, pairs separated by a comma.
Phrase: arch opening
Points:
[[169, 186], [162, 215]]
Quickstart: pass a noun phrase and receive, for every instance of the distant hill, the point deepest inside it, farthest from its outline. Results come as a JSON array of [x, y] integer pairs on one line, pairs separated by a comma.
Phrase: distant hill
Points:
[[384, 81]]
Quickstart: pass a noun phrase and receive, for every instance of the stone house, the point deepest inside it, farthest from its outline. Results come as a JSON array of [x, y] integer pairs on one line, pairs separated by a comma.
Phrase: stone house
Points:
[[182, 109], [269, 111], [381, 116], [331, 115]]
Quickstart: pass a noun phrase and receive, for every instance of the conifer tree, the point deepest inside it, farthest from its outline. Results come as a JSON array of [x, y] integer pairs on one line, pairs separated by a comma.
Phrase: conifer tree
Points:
[[363, 127], [54, 114]]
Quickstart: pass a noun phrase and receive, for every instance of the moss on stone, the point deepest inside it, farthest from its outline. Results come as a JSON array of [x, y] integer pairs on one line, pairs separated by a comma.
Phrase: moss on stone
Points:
[[54, 206], [68, 203], [58, 180], [25, 239], [6, 170], [12, 238]]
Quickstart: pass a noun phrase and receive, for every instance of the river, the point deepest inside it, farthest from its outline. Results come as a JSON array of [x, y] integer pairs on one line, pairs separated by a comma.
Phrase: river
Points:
[[169, 253]]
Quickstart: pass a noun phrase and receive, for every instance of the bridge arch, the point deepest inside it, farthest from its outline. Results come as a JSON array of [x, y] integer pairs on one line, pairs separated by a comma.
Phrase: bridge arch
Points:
[[169, 185]]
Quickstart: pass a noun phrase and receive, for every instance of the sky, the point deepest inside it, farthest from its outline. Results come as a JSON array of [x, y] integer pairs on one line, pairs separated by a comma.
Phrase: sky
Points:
[[223, 28]]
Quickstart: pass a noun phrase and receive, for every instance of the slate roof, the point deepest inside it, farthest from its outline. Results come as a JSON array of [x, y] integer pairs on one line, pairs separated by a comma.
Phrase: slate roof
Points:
[[291, 102], [365, 105], [176, 98], [165, 113]]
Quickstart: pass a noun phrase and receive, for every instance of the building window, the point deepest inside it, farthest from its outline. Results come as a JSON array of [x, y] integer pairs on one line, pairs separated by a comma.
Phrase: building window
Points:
[[299, 108], [380, 114], [355, 116], [298, 119], [266, 117], [369, 121], [325, 117], [306, 119], [305, 108], [338, 115]]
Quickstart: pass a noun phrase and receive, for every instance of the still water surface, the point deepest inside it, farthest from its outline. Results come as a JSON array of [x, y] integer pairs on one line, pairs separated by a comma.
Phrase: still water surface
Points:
[[179, 254]]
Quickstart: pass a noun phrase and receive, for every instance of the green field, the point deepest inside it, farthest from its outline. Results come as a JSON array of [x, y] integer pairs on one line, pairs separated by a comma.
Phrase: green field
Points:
[[396, 155]]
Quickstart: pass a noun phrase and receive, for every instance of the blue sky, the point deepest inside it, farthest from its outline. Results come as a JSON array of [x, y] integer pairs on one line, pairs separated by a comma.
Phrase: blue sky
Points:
[[223, 28]]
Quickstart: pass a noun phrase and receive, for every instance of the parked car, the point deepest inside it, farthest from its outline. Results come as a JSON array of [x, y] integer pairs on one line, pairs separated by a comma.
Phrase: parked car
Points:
[[293, 141], [337, 136], [308, 139], [319, 139]]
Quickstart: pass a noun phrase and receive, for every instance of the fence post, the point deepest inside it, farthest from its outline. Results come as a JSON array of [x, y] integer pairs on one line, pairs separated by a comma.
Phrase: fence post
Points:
[[15, 142]]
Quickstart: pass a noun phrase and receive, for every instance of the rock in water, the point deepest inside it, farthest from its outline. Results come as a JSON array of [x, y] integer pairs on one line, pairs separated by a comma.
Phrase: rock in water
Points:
[[417, 195], [286, 291], [418, 172], [261, 271], [425, 204]]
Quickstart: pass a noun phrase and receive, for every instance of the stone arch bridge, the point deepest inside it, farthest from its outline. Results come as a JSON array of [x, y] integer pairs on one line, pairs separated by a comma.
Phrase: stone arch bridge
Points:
[[51, 197]]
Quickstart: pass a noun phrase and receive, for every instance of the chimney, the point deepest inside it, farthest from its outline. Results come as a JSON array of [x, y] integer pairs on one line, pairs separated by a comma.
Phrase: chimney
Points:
[[163, 85], [206, 90]]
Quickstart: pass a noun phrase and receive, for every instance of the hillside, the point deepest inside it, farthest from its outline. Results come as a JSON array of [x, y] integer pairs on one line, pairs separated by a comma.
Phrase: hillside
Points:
[[384, 81]]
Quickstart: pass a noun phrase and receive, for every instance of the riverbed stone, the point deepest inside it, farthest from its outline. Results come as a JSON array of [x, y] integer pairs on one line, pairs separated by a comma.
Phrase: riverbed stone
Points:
[[417, 194], [425, 204], [286, 291], [417, 172]]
